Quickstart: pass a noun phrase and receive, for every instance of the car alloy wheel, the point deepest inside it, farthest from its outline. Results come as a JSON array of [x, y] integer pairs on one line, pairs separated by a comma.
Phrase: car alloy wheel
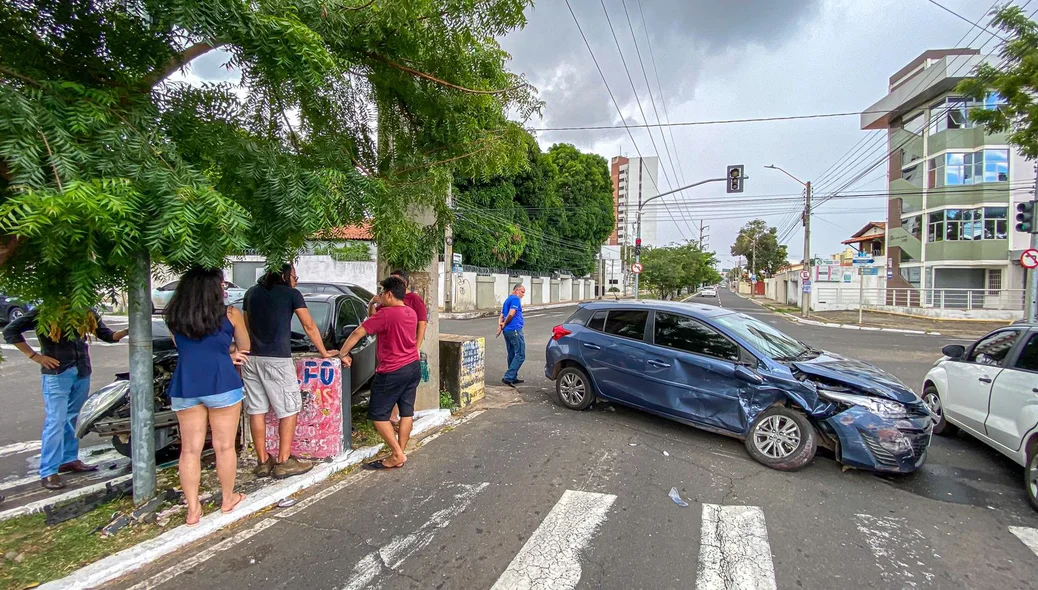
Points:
[[572, 389], [933, 401], [777, 437], [16, 313]]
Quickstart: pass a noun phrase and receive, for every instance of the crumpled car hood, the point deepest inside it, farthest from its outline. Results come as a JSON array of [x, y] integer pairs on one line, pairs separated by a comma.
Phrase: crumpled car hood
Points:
[[859, 374]]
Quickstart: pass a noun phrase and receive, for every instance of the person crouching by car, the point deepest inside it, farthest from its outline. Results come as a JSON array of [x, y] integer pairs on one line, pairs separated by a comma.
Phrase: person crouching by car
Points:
[[205, 390], [399, 370], [65, 365]]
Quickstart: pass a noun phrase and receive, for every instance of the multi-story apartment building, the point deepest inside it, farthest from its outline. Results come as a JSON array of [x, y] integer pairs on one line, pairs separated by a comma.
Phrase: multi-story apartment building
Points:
[[635, 180], [953, 187]]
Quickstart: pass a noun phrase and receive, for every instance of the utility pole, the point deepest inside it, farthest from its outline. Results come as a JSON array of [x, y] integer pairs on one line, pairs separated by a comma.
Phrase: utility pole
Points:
[[806, 297], [448, 256], [753, 276], [142, 390], [638, 239]]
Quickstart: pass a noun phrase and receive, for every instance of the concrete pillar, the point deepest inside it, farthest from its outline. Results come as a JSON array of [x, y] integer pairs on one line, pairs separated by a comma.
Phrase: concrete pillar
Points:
[[426, 283]]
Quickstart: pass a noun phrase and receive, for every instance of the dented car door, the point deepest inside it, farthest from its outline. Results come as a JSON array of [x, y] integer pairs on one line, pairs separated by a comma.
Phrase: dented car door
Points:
[[691, 369]]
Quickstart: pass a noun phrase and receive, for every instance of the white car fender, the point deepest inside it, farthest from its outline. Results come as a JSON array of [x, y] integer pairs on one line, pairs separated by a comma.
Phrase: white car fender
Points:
[[938, 375]]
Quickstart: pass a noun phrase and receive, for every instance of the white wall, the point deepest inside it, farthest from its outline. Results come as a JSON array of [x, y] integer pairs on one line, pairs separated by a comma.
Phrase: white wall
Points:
[[325, 269]]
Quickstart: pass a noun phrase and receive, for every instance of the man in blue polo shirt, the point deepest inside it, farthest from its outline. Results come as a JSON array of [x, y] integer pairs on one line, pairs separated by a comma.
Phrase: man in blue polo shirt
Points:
[[511, 324]]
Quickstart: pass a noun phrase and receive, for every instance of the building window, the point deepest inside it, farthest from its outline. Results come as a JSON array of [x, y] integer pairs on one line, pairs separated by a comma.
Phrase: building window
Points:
[[952, 112], [911, 275], [913, 175], [913, 225], [981, 223], [935, 231], [966, 168], [994, 281]]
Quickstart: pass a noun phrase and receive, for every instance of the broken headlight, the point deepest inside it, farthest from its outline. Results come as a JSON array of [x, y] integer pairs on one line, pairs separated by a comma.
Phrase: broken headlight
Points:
[[881, 407]]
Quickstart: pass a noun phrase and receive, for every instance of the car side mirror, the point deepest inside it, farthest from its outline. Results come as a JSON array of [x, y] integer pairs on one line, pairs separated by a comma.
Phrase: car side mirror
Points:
[[748, 375], [345, 331], [954, 351]]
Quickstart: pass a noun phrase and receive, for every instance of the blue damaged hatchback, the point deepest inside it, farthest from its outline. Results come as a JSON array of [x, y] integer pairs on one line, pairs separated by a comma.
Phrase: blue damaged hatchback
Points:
[[727, 372]]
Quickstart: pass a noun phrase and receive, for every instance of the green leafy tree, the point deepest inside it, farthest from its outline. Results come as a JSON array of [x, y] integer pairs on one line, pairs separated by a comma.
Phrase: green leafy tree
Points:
[[759, 244], [1015, 79], [671, 270], [585, 192], [102, 159]]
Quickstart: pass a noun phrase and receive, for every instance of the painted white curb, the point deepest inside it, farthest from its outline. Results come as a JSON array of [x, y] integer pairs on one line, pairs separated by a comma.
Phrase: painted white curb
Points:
[[128, 560]]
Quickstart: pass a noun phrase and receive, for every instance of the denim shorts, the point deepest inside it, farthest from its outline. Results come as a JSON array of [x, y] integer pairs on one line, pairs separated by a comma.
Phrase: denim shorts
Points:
[[213, 402]]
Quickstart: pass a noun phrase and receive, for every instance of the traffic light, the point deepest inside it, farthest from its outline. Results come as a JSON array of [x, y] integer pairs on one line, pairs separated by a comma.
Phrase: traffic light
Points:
[[1025, 217], [638, 247], [735, 178]]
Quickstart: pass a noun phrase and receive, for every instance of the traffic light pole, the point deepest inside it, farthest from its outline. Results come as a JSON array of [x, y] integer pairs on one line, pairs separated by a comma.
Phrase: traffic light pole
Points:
[[1032, 274], [638, 223]]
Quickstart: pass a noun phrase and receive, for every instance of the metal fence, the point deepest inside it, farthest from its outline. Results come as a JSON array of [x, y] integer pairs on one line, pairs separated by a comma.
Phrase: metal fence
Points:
[[951, 299]]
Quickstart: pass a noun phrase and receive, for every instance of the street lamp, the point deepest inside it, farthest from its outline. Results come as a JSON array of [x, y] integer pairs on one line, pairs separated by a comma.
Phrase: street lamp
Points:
[[804, 300]]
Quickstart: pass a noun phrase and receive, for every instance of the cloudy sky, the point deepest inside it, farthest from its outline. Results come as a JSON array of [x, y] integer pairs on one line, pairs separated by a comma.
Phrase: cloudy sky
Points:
[[713, 60], [731, 60]]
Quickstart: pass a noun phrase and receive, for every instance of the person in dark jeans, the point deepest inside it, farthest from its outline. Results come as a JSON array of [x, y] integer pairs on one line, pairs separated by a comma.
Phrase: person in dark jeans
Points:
[[65, 365], [511, 324], [399, 369]]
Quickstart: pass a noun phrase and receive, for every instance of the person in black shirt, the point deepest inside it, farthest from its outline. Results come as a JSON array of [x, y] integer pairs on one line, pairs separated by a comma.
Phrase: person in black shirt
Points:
[[65, 364], [270, 375]]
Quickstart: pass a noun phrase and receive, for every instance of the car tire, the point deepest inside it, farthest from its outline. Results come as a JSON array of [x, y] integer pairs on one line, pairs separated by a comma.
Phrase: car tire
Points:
[[573, 388], [932, 399], [14, 313], [781, 426], [1031, 476]]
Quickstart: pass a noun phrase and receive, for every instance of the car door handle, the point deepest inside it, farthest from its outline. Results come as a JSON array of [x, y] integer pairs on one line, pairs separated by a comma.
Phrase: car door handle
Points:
[[984, 380], [592, 346], [659, 364]]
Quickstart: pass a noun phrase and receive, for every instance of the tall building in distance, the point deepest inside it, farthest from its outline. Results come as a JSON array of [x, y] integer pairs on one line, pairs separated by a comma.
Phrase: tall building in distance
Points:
[[953, 187], [635, 180]]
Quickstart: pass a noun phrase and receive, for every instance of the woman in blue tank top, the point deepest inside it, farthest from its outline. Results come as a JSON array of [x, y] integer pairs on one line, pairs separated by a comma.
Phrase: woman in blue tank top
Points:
[[206, 390]]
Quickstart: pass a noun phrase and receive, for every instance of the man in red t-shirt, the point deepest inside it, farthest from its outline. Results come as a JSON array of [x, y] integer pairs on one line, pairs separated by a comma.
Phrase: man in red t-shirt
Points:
[[399, 371], [414, 301]]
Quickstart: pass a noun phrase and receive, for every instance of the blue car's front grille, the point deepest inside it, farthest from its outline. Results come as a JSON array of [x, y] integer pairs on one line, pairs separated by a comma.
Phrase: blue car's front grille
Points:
[[882, 456]]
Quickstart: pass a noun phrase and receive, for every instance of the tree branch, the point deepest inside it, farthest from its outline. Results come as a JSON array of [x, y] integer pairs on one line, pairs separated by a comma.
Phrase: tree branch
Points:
[[432, 78], [178, 61], [53, 167]]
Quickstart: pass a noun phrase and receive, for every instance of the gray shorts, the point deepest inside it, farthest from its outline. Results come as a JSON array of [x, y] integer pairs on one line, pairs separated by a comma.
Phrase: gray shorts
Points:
[[271, 382]]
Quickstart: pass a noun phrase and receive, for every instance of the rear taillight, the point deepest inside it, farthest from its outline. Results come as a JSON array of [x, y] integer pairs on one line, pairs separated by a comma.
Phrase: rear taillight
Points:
[[558, 332]]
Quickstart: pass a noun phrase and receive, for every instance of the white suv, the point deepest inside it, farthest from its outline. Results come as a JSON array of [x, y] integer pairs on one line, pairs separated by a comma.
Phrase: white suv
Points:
[[990, 390]]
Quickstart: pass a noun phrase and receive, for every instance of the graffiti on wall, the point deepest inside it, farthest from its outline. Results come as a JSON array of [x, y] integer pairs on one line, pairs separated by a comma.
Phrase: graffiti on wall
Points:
[[470, 382], [319, 425]]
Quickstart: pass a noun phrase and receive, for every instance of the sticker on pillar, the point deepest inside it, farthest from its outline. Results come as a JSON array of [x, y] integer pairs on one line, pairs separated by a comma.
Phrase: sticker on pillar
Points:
[[319, 424]]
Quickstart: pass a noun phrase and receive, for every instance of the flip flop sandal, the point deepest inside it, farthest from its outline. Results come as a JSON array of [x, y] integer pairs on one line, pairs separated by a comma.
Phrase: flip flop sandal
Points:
[[241, 497], [381, 465]]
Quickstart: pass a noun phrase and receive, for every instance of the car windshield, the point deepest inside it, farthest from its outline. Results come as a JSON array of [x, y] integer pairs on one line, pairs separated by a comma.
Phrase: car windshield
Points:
[[362, 293], [318, 311], [763, 337]]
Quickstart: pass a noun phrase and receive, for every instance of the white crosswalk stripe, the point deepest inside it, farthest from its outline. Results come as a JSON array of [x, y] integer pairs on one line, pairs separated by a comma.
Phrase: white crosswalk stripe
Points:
[[550, 559], [1027, 536], [898, 548], [734, 553]]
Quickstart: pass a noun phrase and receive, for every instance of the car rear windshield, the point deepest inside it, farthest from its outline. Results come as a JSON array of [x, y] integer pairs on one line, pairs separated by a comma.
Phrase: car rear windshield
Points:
[[579, 317], [765, 338], [318, 311]]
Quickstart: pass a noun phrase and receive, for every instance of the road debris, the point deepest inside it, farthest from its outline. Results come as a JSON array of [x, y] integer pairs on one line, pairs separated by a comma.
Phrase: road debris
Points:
[[674, 495]]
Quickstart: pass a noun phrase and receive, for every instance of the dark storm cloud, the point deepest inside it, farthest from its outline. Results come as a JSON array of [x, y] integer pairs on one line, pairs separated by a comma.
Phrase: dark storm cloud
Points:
[[683, 33]]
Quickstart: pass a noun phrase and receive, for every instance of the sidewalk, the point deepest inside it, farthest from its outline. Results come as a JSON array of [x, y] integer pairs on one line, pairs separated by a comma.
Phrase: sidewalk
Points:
[[489, 313], [886, 322], [140, 536]]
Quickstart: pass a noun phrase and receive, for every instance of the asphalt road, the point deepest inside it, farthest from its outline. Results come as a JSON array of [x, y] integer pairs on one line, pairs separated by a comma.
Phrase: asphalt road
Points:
[[528, 494]]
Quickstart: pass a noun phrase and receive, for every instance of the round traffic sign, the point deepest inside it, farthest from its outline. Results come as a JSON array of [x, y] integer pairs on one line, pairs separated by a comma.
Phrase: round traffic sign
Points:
[[1029, 259], [805, 275], [636, 268]]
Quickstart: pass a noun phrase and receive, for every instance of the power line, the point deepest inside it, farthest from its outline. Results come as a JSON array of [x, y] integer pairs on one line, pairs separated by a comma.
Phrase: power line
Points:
[[638, 100], [956, 14]]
